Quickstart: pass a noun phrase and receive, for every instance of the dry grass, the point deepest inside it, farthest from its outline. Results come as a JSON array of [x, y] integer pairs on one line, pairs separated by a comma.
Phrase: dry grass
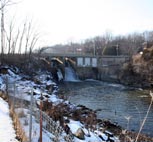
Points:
[[4, 96], [18, 127], [21, 114]]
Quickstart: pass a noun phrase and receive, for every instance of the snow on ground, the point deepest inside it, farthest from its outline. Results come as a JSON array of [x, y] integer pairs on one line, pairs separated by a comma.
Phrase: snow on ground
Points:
[[23, 91], [7, 132], [25, 121], [75, 125]]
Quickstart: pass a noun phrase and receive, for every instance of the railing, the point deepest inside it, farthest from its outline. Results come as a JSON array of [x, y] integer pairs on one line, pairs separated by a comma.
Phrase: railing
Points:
[[76, 54], [66, 55]]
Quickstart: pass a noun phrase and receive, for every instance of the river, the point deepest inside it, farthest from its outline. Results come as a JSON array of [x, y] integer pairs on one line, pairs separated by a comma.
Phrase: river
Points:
[[123, 105]]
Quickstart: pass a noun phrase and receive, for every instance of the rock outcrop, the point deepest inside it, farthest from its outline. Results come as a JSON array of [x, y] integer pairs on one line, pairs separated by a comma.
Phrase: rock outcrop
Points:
[[139, 71]]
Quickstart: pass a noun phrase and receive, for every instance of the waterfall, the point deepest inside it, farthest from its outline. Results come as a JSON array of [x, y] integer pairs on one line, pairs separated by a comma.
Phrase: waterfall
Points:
[[70, 74], [59, 74]]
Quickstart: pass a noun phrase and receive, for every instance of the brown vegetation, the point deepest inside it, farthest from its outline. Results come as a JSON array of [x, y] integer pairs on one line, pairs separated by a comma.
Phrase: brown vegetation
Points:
[[139, 71], [20, 134], [89, 119]]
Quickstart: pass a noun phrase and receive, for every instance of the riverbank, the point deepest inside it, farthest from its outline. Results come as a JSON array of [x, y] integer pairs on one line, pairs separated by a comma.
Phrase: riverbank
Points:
[[88, 91], [63, 111]]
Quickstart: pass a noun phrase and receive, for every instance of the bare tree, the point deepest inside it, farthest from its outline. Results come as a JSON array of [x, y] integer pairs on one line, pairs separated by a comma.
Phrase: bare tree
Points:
[[100, 44], [14, 43], [27, 39], [33, 42], [21, 38], [148, 35], [4, 4], [89, 46], [9, 37], [108, 37], [134, 42], [28, 34]]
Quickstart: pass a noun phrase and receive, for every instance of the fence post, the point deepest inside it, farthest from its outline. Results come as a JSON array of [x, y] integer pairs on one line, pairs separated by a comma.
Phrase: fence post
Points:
[[31, 110], [13, 99], [40, 139], [6, 85], [51, 125]]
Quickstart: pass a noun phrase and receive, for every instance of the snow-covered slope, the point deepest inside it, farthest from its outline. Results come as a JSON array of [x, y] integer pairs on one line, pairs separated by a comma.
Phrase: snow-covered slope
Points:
[[7, 133], [23, 91]]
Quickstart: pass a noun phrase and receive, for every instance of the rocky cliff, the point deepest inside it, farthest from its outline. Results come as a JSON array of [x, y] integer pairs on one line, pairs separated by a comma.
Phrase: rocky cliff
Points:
[[139, 71]]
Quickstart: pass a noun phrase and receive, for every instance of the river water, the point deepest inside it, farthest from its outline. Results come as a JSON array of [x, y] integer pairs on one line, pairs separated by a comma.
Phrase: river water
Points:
[[122, 105]]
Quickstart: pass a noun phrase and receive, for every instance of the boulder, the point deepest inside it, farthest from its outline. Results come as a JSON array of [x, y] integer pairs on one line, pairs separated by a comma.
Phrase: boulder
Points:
[[80, 134]]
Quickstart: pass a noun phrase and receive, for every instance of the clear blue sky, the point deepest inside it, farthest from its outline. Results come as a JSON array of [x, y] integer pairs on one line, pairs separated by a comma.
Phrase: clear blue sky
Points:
[[62, 21]]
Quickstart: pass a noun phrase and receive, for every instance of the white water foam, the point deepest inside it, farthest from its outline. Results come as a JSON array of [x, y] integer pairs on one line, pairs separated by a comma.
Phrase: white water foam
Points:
[[70, 74]]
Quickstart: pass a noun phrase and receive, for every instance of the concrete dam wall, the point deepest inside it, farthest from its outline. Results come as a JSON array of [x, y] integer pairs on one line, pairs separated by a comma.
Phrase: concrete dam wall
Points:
[[100, 68], [108, 69]]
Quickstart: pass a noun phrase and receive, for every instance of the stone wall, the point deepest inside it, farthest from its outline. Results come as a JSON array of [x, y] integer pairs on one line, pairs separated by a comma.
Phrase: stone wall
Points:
[[109, 73], [106, 73], [109, 68], [86, 73]]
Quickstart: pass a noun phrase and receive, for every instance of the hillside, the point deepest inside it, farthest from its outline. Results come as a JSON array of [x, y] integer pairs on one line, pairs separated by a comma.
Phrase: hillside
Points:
[[138, 72]]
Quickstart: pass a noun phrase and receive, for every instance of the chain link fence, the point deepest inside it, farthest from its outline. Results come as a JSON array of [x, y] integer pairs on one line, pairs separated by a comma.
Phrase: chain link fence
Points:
[[17, 101]]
